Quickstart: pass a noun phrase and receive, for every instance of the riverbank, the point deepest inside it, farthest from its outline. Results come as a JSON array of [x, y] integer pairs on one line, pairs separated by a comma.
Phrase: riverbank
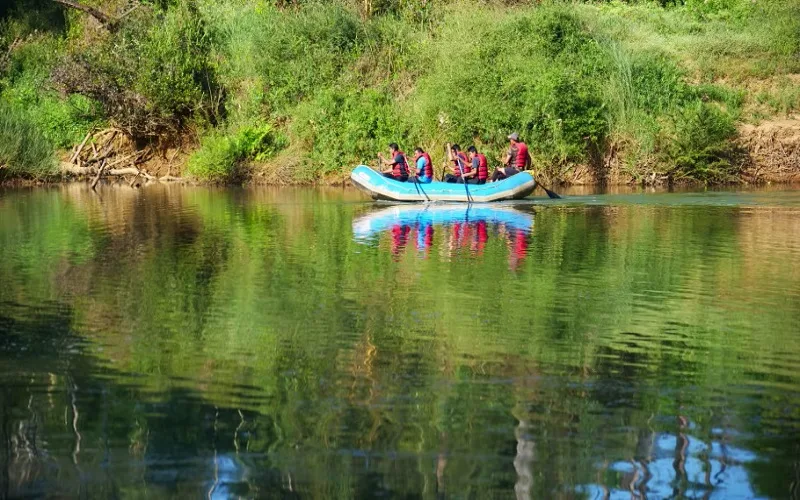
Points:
[[705, 92]]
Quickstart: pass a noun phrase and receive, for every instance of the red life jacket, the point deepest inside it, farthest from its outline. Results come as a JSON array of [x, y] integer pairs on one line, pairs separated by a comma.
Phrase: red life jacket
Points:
[[464, 162], [428, 165], [521, 161], [400, 169], [428, 171], [483, 167]]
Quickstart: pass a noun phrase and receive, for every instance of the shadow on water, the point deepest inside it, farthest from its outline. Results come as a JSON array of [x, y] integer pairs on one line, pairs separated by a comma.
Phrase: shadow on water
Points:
[[192, 342]]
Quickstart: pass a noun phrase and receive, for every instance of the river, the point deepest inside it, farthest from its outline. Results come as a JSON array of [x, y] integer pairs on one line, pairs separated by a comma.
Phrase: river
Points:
[[206, 342]]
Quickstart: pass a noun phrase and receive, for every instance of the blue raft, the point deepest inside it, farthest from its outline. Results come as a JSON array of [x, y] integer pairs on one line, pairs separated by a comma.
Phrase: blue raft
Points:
[[381, 188], [373, 223]]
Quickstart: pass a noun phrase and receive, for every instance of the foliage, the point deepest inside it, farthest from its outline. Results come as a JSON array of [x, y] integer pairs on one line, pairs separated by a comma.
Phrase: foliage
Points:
[[222, 157], [64, 120], [153, 75], [702, 149], [273, 59], [580, 82], [340, 124], [24, 150]]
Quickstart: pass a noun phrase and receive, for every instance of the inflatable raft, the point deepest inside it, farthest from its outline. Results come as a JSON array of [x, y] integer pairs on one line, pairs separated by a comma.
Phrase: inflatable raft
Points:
[[369, 225], [381, 188]]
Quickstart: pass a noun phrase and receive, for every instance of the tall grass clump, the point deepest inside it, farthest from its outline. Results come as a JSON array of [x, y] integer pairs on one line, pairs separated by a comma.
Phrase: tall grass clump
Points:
[[701, 149], [24, 150], [274, 58]]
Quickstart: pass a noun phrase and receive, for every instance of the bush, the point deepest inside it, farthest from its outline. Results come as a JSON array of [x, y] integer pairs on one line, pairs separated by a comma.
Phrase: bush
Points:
[[24, 150], [535, 73], [347, 125], [26, 87], [272, 59], [702, 150], [217, 159], [223, 157], [151, 76]]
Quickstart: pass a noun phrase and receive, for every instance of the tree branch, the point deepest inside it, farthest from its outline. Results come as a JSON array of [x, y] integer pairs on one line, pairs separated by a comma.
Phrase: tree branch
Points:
[[104, 18]]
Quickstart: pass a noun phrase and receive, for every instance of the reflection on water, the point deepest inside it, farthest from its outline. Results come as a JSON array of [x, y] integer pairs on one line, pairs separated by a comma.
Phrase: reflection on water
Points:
[[463, 229], [191, 342], [677, 466]]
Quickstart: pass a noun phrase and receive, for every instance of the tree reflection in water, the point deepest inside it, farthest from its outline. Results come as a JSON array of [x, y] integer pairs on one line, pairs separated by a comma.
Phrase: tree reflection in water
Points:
[[196, 343]]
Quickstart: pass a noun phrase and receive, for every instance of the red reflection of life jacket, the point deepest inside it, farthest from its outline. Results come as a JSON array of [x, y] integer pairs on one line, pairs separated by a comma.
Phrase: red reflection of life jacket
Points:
[[520, 244], [400, 169], [521, 161], [483, 236], [399, 238], [483, 167]]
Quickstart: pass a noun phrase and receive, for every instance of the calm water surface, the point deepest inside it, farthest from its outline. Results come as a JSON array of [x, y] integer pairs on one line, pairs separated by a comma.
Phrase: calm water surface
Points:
[[196, 342]]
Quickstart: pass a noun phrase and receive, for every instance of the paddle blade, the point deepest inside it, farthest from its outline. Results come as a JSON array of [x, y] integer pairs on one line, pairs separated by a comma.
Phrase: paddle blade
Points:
[[551, 194]]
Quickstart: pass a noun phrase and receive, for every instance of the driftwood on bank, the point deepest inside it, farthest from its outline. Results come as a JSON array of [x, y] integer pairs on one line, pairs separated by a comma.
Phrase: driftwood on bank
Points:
[[110, 159], [72, 169], [99, 173]]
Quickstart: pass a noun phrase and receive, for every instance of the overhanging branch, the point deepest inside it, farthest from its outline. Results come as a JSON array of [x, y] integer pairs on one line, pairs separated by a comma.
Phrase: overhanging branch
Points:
[[104, 18]]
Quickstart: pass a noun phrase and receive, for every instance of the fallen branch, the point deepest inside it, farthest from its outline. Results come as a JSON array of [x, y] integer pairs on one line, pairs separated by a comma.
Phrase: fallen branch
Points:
[[80, 148], [99, 173], [70, 169], [131, 171], [123, 159], [5, 58], [104, 18]]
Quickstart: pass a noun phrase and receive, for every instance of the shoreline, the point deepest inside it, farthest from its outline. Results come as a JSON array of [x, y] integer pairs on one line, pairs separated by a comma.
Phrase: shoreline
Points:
[[767, 153]]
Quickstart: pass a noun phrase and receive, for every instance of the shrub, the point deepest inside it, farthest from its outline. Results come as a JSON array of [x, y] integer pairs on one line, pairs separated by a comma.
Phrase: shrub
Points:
[[701, 149], [536, 73], [347, 125], [216, 159], [151, 76], [223, 157], [26, 87], [24, 150], [272, 59]]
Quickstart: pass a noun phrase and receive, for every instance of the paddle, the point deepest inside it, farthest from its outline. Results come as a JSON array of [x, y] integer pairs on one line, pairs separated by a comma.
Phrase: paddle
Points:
[[446, 156], [461, 170], [550, 194]]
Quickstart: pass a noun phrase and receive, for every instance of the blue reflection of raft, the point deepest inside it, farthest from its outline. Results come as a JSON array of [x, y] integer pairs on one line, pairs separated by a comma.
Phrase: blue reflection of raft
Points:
[[373, 223], [380, 188]]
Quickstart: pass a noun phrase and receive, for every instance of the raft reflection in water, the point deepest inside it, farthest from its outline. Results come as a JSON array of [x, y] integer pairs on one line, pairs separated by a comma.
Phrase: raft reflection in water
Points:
[[465, 227]]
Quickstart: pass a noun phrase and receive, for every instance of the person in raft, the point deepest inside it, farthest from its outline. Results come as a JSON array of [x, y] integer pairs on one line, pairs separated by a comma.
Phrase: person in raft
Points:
[[461, 165], [424, 167], [517, 159], [480, 167], [398, 167]]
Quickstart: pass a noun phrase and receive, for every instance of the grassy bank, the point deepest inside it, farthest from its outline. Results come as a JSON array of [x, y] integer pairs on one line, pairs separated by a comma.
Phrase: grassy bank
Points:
[[302, 92]]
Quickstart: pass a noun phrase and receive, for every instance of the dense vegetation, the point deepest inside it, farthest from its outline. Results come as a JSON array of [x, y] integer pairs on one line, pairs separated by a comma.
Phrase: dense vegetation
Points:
[[304, 90]]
